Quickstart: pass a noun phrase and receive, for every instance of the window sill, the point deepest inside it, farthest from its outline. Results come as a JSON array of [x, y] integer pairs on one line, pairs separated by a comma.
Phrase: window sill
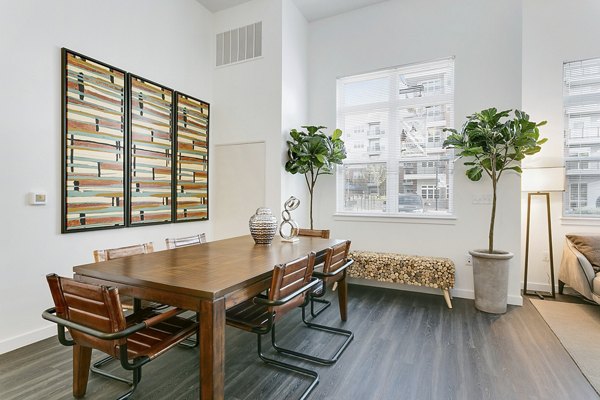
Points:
[[582, 221], [403, 219]]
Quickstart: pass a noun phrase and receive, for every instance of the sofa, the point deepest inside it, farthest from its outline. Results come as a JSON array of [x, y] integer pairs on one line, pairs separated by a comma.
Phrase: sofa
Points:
[[580, 266]]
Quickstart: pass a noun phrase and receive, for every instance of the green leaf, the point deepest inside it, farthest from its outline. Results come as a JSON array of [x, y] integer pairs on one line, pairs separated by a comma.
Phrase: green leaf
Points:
[[474, 173], [336, 134]]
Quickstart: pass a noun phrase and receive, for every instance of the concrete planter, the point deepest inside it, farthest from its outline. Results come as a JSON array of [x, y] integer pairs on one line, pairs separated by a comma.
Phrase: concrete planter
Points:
[[490, 278]]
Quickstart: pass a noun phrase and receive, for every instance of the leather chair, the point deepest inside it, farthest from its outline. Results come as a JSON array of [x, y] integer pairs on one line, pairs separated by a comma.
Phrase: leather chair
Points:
[[185, 241], [333, 272], [334, 267], [321, 233], [118, 252], [94, 317], [127, 303], [289, 287]]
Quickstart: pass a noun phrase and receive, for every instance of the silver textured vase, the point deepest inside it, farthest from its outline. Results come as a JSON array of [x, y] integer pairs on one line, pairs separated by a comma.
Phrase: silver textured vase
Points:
[[263, 225]]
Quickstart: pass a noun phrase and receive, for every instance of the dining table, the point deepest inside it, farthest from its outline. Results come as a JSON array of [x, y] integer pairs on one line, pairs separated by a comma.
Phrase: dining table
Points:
[[207, 279]]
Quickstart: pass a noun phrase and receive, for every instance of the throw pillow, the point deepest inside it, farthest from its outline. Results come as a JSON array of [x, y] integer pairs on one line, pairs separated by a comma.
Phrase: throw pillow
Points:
[[589, 246]]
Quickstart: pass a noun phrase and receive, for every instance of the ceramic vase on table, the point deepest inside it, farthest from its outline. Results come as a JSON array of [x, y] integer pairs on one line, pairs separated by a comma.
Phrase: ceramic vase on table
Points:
[[263, 226]]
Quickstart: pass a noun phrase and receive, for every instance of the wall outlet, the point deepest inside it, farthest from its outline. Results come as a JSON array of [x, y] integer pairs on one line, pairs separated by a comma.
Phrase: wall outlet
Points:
[[468, 260]]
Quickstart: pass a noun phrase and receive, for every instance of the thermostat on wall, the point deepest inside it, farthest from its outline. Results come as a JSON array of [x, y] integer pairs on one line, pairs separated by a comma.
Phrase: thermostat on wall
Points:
[[37, 199]]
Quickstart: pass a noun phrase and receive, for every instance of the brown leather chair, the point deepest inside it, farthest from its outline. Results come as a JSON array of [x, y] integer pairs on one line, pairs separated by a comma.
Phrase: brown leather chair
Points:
[[333, 272], [321, 233], [94, 317], [334, 267], [126, 302], [185, 241], [118, 252], [289, 287]]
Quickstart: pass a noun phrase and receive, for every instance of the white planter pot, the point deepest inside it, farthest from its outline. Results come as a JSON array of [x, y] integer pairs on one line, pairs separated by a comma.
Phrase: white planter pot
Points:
[[490, 278]]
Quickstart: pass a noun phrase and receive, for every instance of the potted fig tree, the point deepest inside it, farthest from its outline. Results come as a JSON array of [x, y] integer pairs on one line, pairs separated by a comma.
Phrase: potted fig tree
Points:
[[493, 143], [313, 153]]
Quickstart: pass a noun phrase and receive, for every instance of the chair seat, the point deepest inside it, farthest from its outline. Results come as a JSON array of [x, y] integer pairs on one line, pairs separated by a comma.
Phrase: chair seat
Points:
[[155, 340], [248, 316]]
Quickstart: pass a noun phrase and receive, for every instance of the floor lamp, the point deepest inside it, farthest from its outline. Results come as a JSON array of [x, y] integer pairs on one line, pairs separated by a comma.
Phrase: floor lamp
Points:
[[540, 182]]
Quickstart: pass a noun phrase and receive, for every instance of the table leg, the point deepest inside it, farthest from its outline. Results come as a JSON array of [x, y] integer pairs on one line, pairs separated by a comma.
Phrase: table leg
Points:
[[212, 349], [82, 357], [343, 297]]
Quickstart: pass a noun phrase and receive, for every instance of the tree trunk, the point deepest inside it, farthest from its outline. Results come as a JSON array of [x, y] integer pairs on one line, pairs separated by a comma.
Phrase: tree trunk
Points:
[[491, 235], [310, 190]]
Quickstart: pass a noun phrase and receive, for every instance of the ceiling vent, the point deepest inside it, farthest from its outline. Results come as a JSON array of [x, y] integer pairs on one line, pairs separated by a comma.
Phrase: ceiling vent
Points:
[[238, 45]]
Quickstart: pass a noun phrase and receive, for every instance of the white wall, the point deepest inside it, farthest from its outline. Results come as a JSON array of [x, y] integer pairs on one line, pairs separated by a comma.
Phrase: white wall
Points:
[[264, 98], [554, 32], [249, 93], [485, 37], [168, 42], [294, 100]]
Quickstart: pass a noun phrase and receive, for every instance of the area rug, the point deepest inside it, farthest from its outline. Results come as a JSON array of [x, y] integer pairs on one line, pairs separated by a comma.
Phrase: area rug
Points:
[[577, 326]]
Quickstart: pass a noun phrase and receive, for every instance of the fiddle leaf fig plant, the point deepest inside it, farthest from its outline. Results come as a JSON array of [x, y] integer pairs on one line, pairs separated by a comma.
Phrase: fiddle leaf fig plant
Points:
[[495, 142], [313, 153]]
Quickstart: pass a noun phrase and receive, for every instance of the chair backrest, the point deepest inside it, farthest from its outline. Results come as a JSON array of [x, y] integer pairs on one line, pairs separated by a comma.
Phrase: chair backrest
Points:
[[97, 307], [322, 233], [110, 254], [287, 278], [336, 256], [186, 241]]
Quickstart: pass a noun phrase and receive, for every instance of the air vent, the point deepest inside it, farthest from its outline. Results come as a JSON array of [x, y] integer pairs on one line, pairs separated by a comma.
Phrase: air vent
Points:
[[239, 44]]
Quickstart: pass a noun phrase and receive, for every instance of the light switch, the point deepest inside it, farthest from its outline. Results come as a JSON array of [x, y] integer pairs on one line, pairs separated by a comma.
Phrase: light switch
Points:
[[37, 199]]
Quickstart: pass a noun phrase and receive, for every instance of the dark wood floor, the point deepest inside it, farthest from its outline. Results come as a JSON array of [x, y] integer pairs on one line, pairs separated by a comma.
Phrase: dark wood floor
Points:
[[407, 346]]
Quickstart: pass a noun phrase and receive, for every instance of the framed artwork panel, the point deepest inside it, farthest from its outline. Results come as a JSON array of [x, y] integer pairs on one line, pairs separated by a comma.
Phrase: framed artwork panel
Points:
[[150, 152], [93, 144], [191, 159]]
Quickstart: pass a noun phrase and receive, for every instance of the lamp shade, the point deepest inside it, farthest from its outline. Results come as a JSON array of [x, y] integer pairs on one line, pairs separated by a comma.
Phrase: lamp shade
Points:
[[546, 179]]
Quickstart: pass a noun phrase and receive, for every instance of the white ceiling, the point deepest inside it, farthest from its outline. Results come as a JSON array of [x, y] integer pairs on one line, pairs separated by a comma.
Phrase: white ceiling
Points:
[[312, 9]]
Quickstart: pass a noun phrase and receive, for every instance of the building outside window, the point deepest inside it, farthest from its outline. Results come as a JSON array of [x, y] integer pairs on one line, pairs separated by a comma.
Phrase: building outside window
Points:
[[582, 138], [394, 120]]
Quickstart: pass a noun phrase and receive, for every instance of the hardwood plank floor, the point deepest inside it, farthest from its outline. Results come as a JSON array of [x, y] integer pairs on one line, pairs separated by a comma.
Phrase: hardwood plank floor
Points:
[[407, 346]]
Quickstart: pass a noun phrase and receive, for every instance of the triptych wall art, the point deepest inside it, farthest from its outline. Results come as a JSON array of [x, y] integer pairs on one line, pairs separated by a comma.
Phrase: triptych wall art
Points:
[[134, 152]]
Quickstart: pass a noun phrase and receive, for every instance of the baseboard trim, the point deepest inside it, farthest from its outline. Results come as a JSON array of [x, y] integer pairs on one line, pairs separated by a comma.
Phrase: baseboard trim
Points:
[[515, 300], [24, 339]]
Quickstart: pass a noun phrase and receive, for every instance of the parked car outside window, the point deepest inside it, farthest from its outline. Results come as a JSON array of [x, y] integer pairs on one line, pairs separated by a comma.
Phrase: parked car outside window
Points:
[[410, 202]]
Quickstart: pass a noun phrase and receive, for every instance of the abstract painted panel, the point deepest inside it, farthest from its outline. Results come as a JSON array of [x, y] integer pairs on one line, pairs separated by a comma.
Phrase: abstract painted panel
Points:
[[191, 163], [150, 152], [93, 144]]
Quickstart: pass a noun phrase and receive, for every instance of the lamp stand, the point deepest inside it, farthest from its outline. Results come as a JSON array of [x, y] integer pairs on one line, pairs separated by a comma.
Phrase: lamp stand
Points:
[[529, 196]]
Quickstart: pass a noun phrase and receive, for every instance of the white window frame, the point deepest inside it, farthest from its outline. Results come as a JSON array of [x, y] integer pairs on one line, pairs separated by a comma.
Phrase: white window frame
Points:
[[430, 103], [581, 111]]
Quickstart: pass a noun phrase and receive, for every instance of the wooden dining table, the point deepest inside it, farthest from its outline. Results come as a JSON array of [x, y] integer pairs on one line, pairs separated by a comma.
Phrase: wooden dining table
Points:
[[208, 279]]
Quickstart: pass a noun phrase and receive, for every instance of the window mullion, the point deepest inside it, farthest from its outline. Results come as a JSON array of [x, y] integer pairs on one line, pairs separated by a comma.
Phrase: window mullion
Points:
[[393, 148]]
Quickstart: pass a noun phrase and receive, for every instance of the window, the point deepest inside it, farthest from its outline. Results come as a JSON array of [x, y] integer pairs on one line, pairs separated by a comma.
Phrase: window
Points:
[[399, 115], [582, 137]]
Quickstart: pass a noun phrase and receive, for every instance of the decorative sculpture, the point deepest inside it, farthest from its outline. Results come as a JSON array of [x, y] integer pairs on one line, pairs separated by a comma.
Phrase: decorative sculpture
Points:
[[291, 204], [263, 226]]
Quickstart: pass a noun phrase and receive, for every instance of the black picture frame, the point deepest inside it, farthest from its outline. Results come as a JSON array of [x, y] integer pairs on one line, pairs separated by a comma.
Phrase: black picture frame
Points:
[[192, 128], [153, 98], [67, 150]]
